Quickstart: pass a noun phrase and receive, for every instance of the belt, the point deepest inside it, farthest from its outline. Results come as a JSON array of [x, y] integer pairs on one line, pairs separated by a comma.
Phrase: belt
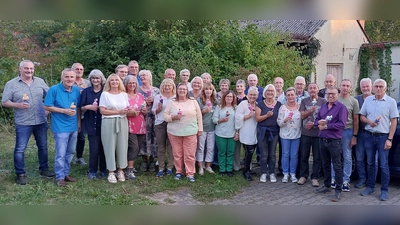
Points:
[[376, 134], [329, 139]]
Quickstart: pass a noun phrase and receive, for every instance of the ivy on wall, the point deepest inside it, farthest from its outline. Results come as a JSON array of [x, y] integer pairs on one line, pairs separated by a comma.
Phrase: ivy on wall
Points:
[[376, 56]]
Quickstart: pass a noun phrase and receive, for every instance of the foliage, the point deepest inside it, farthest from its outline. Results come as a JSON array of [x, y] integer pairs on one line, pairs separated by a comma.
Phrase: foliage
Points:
[[376, 56], [383, 30]]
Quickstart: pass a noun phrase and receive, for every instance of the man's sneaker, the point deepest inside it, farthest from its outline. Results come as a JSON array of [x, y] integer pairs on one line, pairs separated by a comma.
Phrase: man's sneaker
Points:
[[367, 191], [169, 172], [315, 183], [201, 171], [111, 177], [46, 173], [272, 178], [191, 179], [293, 178], [103, 174], [160, 173], [384, 196], [333, 184], [80, 161], [143, 167], [131, 176], [302, 181], [285, 178], [152, 167], [263, 178], [210, 170], [346, 187], [21, 179], [178, 176], [92, 176], [360, 184], [121, 176]]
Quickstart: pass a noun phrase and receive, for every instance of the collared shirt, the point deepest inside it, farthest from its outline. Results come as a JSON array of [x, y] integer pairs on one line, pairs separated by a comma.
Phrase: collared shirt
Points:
[[337, 123], [260, 93], [280, 97], [305, 105], [36, 91], [360, 100], [59, 97], [83, 84], [374, 108], [91, 120]]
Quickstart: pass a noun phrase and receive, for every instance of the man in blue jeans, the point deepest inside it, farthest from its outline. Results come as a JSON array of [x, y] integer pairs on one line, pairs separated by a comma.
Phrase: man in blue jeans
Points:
[[61, 101], [331, 120], [350, 133], [380, 113], [25, 95]]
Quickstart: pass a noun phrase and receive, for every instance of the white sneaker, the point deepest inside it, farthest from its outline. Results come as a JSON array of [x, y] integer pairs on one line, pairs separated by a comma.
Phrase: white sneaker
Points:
[[285, 178], [263, 177], [293, 178], [111, 178], [272, 178], [121, 175], [208, 169], [201, 171]]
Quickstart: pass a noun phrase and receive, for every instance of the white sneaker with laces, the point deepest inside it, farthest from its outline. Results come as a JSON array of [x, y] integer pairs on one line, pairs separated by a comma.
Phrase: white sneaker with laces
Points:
[[111, 178], [201, 171], [285, 178], [293, 178], [121, 175], [272, 178], [209, 169], [263, 178]]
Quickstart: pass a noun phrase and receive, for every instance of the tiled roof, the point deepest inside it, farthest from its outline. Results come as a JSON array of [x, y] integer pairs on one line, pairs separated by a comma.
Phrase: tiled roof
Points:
[[302, 28]]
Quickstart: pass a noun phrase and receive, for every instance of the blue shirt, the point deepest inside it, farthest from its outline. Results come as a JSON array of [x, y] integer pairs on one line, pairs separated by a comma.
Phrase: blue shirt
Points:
[[91, 121], [337, 123], [59, 97]]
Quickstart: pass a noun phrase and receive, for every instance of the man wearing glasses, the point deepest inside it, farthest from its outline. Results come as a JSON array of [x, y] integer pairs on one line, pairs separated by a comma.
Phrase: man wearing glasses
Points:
[[331, 120], [380, 113], [300, 85]]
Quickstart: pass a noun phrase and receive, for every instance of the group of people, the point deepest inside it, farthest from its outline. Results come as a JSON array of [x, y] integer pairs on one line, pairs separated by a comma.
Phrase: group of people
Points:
[[179, 123]]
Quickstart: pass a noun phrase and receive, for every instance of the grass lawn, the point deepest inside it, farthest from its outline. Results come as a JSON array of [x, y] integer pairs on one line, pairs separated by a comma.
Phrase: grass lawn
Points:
[[43, 191]]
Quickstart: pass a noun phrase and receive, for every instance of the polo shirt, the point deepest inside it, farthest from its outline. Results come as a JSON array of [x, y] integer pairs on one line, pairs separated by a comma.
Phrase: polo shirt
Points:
[[59, 97]]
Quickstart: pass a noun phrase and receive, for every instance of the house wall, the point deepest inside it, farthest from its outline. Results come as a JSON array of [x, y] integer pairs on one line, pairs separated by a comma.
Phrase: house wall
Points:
[[395, 73], [340, 43]]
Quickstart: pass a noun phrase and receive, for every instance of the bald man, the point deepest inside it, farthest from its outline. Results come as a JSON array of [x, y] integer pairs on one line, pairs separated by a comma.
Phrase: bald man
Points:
[[330, 81]]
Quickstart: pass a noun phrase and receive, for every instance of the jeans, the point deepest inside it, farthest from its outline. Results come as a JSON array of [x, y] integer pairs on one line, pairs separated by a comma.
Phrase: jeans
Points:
[[361, 154], [65, 144], [375, 144], [23, 133], [248, 156], [331, 151], [268, 154], [97, 159], [290, 153], [307, 142], [347, 161]]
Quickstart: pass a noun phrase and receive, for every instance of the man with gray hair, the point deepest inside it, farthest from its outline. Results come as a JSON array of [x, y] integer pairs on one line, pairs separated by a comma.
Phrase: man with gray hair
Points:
[[185, 75], [380, 113], [252, 81], [24, 94], [366, 89], [133, 70], [300, 85], [81, 84]]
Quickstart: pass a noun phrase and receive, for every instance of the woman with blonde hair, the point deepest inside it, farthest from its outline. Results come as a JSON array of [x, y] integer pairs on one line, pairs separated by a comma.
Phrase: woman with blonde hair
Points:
[[114, 126], [167, 93]]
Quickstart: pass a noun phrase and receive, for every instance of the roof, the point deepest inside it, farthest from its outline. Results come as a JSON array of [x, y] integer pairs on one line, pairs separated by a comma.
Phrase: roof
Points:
[[297, 28]]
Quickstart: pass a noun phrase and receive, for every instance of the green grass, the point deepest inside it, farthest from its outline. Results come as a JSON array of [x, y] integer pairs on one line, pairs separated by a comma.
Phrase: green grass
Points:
[[43, 191]]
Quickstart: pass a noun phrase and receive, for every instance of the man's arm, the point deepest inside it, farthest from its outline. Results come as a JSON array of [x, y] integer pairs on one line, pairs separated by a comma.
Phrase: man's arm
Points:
[[15, 105]]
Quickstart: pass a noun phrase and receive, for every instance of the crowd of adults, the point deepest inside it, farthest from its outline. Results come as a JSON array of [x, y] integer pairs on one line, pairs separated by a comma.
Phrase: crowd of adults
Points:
[[179, 122]]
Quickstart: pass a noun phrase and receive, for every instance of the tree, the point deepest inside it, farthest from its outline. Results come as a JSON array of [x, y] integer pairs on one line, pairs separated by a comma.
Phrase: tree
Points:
[[383, 30]]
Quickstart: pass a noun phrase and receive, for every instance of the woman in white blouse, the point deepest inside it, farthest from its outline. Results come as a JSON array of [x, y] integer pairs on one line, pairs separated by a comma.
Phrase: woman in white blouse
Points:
[[289, 121], [246, 125]]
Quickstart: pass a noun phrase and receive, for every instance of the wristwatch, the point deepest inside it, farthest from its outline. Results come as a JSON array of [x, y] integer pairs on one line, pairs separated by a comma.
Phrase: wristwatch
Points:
[[326, 127], [354, 135], [390, 139]]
